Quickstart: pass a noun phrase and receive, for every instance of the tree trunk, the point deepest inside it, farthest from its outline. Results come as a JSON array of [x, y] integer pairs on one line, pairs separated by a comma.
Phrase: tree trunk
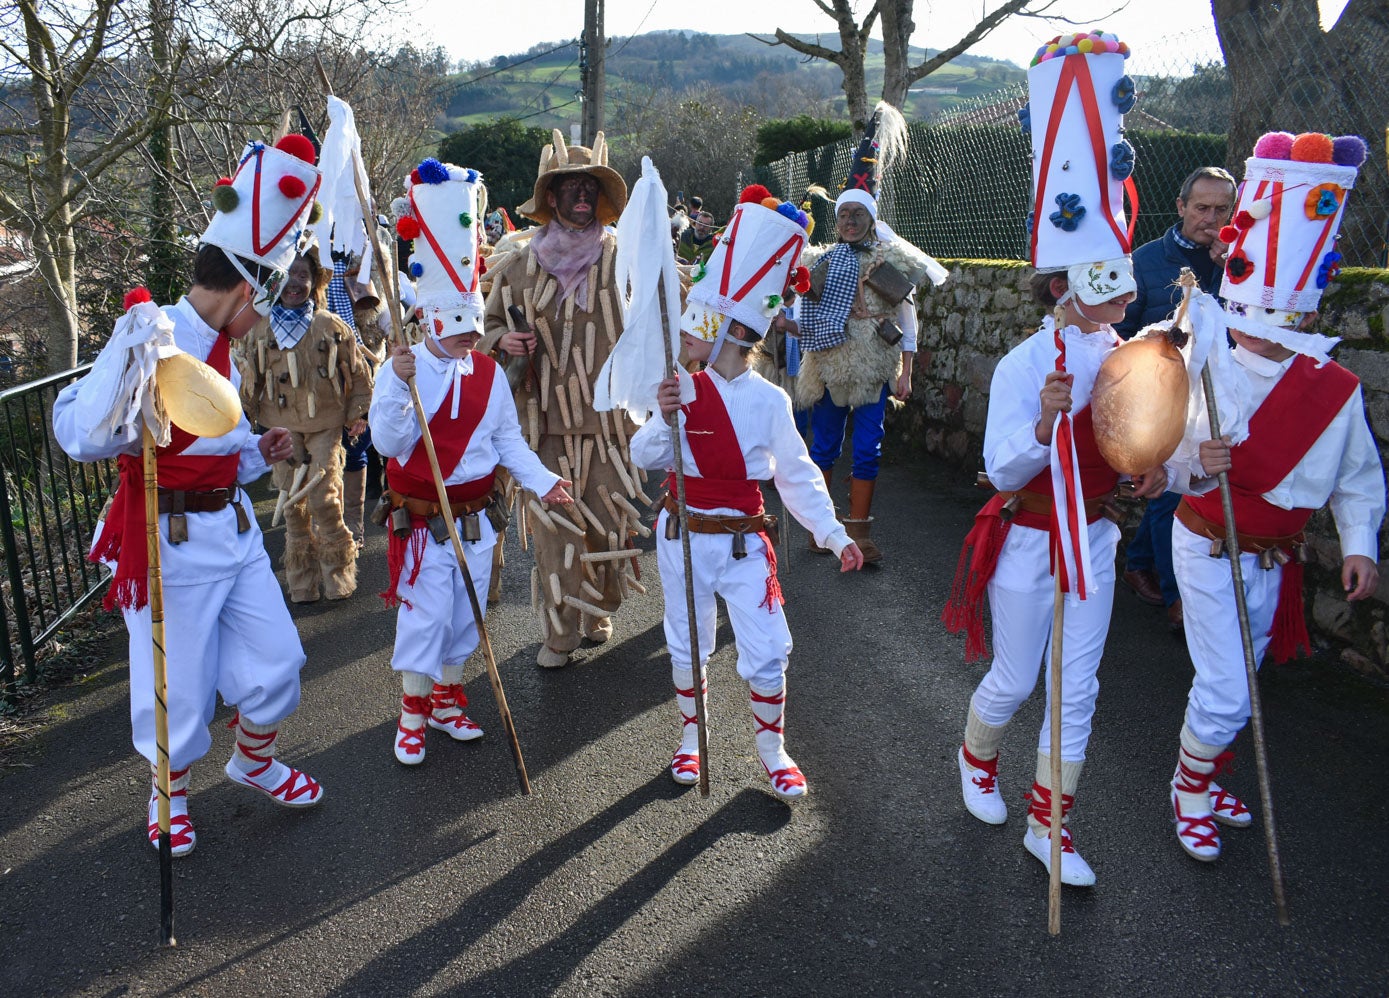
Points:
[[163, 272], [1286, 74], [897, 35]]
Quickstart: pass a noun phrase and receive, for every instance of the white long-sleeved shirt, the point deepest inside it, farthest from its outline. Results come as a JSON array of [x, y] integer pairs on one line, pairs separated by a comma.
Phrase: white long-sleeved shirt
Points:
[[84, 434], [1342, 467], [772, 451], [395, 432], [1012, 455]]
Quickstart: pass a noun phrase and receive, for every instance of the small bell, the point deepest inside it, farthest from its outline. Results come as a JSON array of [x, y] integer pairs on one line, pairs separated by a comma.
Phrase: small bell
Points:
[[740, 546]]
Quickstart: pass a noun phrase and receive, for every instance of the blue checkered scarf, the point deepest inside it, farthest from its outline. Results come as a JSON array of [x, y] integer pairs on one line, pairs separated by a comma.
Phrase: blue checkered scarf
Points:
[[822, 322], [290, 324], [339, 301]]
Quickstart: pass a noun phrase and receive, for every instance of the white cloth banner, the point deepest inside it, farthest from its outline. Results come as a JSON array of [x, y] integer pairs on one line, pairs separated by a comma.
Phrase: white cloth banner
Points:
[[339, 158], [645, 275]]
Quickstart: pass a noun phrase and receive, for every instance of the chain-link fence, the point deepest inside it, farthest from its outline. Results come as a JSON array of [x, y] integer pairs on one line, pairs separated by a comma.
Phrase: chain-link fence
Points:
[[963, 187]]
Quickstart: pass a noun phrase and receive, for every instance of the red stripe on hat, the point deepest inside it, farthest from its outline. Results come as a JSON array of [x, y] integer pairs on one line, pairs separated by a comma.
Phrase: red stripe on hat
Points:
[[796, 241]]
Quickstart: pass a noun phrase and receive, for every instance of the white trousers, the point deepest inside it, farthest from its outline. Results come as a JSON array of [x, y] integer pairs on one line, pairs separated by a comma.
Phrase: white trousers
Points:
[[1021, 599], [437, 628], [231, 635], [762, 637], [1218, 706]]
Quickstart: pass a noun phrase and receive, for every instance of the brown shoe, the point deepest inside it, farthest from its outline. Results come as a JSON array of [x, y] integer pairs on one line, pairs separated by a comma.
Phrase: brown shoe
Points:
[[1145, 585], [1175, 623]]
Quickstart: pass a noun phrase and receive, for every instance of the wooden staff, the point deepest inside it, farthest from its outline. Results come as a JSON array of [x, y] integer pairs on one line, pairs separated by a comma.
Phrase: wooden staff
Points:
[[1057, 633], [683, 515], [161, 691], [1251, 666], [392, 297]]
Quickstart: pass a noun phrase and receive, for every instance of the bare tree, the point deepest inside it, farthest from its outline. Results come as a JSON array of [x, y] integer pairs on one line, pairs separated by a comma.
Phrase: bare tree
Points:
[[1287, 74], [897, 27], [88, 94]]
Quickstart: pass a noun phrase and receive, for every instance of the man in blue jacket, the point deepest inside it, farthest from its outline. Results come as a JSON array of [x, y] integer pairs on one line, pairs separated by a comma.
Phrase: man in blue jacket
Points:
[[1203, 207]]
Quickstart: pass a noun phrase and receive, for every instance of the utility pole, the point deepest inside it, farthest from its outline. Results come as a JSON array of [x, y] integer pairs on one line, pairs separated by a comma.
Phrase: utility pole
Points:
[[592, 69]]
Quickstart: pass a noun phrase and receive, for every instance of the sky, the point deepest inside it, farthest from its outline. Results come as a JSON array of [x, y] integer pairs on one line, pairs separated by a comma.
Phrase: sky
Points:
[[939, 23]]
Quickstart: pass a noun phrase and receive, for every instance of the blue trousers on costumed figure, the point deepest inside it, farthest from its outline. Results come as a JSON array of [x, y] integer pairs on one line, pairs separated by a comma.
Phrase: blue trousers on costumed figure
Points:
[[827, 423]]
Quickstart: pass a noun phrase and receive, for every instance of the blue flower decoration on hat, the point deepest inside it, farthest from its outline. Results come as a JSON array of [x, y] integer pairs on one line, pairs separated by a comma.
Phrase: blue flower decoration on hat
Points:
[[1121, 160], [1070, 213], [1030, 221], [1025, 118], [1124, 94], [1327, 203]]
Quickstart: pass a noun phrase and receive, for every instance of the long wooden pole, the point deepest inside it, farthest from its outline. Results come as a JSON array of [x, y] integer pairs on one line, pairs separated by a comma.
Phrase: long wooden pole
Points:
[[682, 513], [441, 491], [161, 690], [1251, 667], [1054, 879]]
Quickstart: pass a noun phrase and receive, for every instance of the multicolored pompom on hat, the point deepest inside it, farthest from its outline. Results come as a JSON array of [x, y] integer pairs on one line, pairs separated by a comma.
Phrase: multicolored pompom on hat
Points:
[[1081, 163], [262, 210], [1282, 237], [751, 267], [439, 212]]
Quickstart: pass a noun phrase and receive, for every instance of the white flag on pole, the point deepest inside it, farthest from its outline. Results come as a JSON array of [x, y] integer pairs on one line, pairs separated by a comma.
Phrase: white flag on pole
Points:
[[645, 274]]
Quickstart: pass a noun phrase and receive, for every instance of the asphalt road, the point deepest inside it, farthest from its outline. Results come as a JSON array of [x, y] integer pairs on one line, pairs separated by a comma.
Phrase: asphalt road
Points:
[[611, 880]]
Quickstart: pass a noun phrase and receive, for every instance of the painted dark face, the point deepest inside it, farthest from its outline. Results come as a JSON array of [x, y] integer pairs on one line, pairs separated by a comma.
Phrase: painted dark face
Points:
[[299, 284], [852, 223], [575, 200]]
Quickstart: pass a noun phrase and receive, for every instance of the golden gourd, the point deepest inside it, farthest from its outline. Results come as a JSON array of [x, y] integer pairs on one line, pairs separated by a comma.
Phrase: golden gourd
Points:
[[196, 397], [1139, 404]]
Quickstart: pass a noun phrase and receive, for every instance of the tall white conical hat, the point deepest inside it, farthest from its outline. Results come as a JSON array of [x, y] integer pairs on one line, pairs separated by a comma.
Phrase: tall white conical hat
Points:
[[1078, 93], [440, 213], [262, 210], [1283, 234], [748, 272]]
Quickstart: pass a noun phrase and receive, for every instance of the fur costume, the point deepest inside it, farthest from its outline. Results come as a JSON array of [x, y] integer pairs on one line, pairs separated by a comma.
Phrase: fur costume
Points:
[[854, 372], [316, 389]]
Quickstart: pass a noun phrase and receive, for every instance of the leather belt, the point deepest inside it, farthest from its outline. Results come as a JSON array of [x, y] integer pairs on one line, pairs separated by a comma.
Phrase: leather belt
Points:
[[702, 523], [1248, 543], [1040, 503], [427, 509], [183, 501]]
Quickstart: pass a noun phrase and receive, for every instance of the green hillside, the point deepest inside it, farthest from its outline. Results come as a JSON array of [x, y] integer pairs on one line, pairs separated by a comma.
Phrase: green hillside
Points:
[[541, 86]]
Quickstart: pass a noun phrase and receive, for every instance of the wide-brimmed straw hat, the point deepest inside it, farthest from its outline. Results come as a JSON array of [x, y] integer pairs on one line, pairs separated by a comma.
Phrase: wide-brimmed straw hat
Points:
[[558, 160]]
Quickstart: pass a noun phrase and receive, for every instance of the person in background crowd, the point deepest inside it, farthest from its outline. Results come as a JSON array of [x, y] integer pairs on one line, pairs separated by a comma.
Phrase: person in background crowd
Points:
[[1203, 207]]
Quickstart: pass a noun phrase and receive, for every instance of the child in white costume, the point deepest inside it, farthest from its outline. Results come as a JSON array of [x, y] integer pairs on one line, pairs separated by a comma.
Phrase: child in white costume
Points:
[[1302, 442], [737, 430], [473, 424], [228, 630]]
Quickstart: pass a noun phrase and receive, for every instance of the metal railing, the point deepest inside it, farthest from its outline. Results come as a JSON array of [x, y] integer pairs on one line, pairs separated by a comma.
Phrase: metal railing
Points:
[[49, 507]]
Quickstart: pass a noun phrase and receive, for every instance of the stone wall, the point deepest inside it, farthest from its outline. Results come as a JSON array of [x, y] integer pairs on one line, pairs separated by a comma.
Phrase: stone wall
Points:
[[984, 310]]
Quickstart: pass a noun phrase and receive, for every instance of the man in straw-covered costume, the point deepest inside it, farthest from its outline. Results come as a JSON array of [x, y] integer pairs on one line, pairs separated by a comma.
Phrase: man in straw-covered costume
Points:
[[230, 632], [303, 369], [472, 421], [858, 325], [1301, 440], [1040, 448], [569, 320], [737, 430]]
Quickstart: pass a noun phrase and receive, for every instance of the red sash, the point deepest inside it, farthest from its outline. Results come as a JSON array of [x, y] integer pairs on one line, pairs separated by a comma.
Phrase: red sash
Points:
[[186, 472], [964, 611], [1286, 426], [723, 474], [414, 478]]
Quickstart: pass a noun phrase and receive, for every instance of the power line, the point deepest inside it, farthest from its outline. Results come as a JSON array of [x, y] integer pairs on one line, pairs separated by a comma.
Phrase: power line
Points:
[[512, 65], [629, 38]]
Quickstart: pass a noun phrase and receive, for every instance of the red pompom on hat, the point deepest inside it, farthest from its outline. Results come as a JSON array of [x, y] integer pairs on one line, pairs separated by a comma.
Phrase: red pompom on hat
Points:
[[754, 194], [1243, 220], [1229, 234], [298, 146], [223, 182], [800, 280], [135, 296], [407, 228], [292, 187]]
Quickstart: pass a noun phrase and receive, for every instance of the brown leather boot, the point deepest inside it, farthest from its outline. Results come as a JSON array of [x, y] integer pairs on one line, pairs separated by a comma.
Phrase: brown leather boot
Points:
[[859, 524], [812, 547]]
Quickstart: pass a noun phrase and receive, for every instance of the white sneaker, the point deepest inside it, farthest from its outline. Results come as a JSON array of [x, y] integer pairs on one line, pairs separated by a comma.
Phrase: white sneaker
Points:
[[182, 838], [979, 786], [446, 714], [684, 767], [1075, 872], [1228, 809]]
